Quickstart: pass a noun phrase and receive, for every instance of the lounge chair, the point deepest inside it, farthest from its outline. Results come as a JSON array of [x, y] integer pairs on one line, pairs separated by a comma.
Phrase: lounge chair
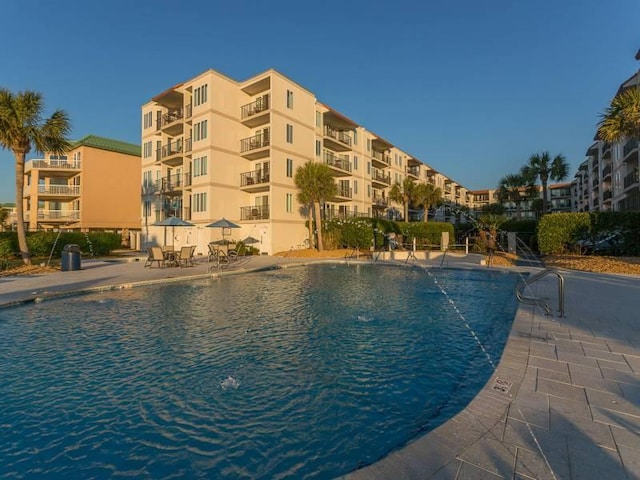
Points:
[[155, 255], [185, 256]]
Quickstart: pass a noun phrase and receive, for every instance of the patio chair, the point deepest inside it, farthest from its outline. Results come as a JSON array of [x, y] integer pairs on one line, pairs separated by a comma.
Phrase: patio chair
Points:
[[185, 256], [213, 253], [155, 255]]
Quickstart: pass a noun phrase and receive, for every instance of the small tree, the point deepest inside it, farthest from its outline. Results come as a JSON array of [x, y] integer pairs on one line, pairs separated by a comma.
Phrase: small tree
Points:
[[22, 130], [316, 184], [512, 188], [403, 193], [427, 195]]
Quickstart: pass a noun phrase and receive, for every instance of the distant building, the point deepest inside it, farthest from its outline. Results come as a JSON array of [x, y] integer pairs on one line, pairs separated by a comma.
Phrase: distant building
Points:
[[95, 186], [10, 221]]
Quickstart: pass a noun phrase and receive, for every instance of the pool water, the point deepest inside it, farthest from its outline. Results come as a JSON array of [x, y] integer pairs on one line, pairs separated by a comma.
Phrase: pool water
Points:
[[296, 373]]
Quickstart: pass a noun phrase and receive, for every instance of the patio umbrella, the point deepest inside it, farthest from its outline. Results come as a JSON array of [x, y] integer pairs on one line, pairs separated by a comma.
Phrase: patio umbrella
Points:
[[224, 224], [250, 241], [172, 222]]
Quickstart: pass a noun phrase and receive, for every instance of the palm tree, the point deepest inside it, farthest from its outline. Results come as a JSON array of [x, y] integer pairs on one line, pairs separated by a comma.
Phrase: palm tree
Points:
[[22, 129], [512, 188], [427, 195], [542, 166], [316, 185], [622, 118], [403, 193]]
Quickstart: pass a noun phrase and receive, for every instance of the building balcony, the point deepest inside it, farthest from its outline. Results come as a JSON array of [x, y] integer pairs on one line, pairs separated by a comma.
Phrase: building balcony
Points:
[[606, 195], [188, 111], [172, 153], [631, 147], [343, 194], [63, 167], [340, 166], [171, 121], [606, 150], [413, 171], [379, 178], [58, 215], [606, 171], [257, 112], [378, 201], [174, 183], [337, 140], [256, 146], [380, 159], [255, 181], [254, 212], [632, 179], [341, 212], [59, 191]]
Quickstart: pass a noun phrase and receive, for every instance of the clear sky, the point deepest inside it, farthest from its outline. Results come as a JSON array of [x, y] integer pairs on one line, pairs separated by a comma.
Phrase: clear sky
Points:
[[470, 87]]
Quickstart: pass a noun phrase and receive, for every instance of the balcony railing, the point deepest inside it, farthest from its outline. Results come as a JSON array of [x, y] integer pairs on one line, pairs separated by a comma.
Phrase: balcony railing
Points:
[[629, 147], [344, 192], [379, 176], [379, 201], [606, 150], [339, 135], [607, 194], [631, 179], [72, 190], [58, 215], [337, 162], [253, 108], [606, 171], [175, 181], [254, 212], [255, 177], [332, 213], [413, 170], [188, 111], [381, 157], [54, 164], [170, 117], [175, 148], [257, 141]]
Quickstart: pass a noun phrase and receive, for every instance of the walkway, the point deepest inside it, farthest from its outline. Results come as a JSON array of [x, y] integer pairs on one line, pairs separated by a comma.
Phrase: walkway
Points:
[[564, 402]]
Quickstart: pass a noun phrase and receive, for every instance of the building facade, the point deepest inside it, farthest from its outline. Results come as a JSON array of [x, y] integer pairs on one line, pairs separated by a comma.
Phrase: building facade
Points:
[[95, 186], [213, 147], [608, 179]]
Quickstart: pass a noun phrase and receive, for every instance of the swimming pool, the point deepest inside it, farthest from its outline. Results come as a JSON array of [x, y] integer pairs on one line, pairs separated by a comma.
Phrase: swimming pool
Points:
[[297, 373]]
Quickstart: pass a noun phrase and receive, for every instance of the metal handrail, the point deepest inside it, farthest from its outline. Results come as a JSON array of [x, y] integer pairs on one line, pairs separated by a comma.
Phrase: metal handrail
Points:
[[538, 301]]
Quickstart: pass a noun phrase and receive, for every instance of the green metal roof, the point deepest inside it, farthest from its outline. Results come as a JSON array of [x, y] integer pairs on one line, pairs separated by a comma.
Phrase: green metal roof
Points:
[[108, 144]]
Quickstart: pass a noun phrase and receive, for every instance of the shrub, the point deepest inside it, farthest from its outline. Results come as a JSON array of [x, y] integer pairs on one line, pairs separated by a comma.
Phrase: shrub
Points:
[[429, 233], [557, 232]]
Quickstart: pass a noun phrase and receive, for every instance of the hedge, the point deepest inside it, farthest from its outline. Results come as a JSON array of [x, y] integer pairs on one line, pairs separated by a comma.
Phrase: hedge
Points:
[[429, 233], [41, 244], [557, 232]]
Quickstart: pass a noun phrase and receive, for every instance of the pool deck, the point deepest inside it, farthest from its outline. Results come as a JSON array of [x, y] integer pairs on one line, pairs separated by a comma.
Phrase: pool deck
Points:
[[563, 403]]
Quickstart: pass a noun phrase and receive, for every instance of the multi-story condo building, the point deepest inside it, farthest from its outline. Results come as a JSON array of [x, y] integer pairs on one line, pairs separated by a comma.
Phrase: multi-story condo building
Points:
[[95, 186], [559, 197], [214, 147], [608, 179], [10, 220]]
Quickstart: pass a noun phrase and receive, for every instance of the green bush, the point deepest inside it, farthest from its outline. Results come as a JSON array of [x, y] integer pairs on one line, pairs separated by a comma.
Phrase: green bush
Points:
[[558, 232], [429, 233], [348, 233]]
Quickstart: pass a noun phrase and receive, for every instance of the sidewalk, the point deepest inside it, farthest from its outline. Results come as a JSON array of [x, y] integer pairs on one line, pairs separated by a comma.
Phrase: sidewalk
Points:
[[564, 402]]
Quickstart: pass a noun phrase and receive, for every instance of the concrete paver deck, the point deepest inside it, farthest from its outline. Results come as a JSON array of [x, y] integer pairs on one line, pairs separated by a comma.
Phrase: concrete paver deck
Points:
[[563, 403]]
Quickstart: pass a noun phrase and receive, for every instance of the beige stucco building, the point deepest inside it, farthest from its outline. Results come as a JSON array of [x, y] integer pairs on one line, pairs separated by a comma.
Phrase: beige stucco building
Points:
[[95, 186], [214, 147]]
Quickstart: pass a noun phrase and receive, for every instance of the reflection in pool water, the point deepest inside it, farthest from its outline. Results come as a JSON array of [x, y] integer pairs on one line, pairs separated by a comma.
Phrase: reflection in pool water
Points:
[[297, 373]]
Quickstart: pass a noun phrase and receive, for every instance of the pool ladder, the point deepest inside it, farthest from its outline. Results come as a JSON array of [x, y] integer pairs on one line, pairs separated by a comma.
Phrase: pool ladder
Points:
[[539, 301]]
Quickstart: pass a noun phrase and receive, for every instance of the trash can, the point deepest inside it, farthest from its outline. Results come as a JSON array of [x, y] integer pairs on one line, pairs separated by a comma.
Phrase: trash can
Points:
[[70, 258]]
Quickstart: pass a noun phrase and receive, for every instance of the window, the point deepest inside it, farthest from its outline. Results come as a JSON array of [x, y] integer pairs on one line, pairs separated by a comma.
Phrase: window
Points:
[[147, 209], [289, 99], [368, 168], [200, 95], [199, 166], [318, 148], [289, 202], [148, 119], [318, 119], [200, 202], [200, 130], [147, 178], [368, 144], [147, 149], [289, 167], [355, 162], [289, 133], [368, 190], [355, 187], [355, 137]]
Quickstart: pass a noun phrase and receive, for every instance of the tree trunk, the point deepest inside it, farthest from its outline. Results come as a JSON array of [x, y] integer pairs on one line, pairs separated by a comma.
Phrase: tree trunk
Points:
[[316, 208], [22, 237], [544, 197], [311, 242], [406, 208]]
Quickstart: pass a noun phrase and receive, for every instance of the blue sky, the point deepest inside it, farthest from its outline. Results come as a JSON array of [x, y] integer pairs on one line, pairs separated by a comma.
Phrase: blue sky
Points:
[[472, 88]]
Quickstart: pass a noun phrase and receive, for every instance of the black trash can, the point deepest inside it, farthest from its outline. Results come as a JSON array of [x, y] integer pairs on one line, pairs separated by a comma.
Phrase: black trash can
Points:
[[70, 258]]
